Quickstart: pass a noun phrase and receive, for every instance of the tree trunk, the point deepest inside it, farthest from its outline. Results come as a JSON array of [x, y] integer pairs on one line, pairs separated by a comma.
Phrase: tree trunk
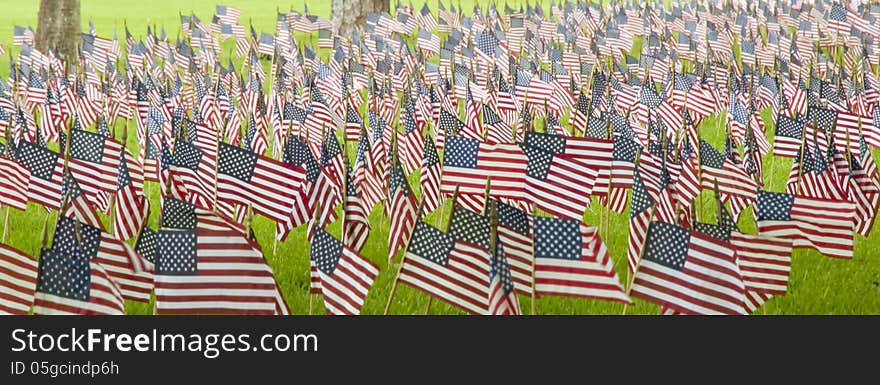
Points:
[[351, 15], [59, 28]]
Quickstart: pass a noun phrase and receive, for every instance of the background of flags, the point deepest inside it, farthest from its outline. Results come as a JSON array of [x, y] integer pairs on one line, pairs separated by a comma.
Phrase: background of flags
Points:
[[817, 278]]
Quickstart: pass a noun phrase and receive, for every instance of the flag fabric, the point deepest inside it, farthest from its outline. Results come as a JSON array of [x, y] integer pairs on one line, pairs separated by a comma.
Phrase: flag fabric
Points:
[[206, 265], [452, 270], [356, 218], [94, 161], [18, 281], [46, 168], [820, 224], [131, 205], [467, 163], [764, 262], [71, 280], [246, 178], [515, 234], [430, 176], [14, 184], [689, 272], [572, 260], [402, 211], [346, 276]]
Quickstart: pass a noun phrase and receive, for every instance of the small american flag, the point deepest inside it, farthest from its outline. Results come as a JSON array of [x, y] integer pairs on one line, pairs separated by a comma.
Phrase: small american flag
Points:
[[689, 272], [94, 161], [430, 176], [789, 134], [346, 276], [247, 178], [131, 205], [467, 163], [18, 281], [402, 211], [571, 260], [356, 218], [764, 262], [46, 173], [428, 41], [451, 270], [820, 224], [22, 36], [71, 281], [515, 235], [205, 264], [14, 184], [226, 14]]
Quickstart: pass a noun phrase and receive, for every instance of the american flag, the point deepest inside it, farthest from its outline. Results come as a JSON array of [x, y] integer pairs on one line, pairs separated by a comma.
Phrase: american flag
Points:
[[428, 41], [36, 91], [402, 210], [718, 168], [502, 293], [572, 260], [18, 281], [789, 135], [94, 161], [131, 205], [515, 235], [641, 211], [247, 178], [206, 265], [413, 144], [467, 163], [594, 153], [71, 280], [346, 276], [14, 184], [126, 268], [46, 168], [356, 218], [22, 36], [764, 262], [452, 270], [558, 183], [689, 272], [429, 177], [226, 14], [820, 224], [837, 20]]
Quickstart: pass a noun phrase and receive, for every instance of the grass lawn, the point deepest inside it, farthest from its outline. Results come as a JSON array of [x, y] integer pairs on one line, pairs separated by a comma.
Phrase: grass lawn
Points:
[[818, 285]]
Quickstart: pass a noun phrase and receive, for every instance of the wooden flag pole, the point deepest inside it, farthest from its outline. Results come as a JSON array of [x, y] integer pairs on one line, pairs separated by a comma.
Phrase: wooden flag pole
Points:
[[318, 213]]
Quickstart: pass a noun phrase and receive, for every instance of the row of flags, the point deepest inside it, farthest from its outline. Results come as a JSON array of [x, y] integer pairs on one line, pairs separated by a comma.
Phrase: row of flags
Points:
[[457, 102]]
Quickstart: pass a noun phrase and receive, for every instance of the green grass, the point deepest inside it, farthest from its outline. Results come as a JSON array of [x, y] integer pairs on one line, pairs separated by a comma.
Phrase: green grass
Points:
[[818, 285]]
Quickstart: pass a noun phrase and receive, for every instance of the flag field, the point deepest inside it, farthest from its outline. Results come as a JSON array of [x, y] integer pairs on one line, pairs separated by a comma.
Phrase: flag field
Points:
[[818, 284]]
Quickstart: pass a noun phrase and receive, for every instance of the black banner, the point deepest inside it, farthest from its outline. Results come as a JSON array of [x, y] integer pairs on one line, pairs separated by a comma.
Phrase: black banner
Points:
[[372, 349]]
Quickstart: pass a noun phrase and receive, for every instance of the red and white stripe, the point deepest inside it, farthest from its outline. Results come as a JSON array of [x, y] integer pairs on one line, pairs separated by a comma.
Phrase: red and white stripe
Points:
[[105, 298], [18, 281], [709, 283], [505, 163], [764, 262], [271, 189], [463, 282], [233, 277], [345, 290], [14, 184], [820, 224], [592, 276]]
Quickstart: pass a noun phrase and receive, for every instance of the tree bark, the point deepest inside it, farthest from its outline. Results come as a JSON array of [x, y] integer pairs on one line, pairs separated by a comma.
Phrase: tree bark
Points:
[[59, 28], [351, 15]]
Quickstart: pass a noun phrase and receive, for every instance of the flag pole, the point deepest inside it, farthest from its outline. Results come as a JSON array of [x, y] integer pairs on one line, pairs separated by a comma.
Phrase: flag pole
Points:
[[9, 155]]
